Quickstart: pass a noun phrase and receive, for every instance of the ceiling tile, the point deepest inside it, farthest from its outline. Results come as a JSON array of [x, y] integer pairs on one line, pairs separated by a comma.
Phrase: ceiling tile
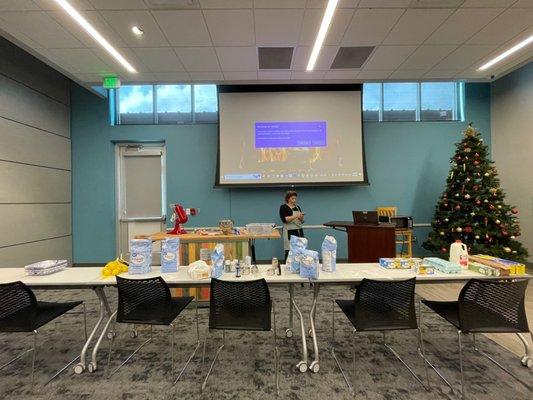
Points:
[[323, 63], [230, 27], [277, 27], [78, 61], [407, 74], [89, 78], [127, 53], [184, 27], [275, 75], [444, 74], [425, 21], [206, 4], [462, 24], [487, 3], [143, 77], [18, 5], [474, 75], [343, 74], [523, 4], [464, 56], [96, 20], [172, 77], [370, 26], [373, 75], [240, 76], [41, 28], [341, 4], [119, 4], [198, 59], [425, 57], [311, 24], [12, 32], [384, 3], [504, 27], [279, 3], [388, 57], [123, 21], [51, 5], [237, 58], [303, 75], [206, 76], [159, 59]]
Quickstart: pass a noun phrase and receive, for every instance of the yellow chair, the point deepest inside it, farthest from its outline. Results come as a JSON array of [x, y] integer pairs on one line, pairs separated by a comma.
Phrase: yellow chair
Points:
[[404, 237]]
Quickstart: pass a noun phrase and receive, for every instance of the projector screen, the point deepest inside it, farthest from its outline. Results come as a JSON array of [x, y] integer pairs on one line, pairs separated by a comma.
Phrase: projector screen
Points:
[[286, 135]]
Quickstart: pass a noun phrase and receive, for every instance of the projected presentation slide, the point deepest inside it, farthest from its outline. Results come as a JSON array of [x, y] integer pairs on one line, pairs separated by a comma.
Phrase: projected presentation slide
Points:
[[283, 138]]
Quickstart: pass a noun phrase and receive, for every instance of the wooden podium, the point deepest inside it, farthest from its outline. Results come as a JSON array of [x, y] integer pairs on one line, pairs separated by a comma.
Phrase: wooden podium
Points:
[[366, 242]]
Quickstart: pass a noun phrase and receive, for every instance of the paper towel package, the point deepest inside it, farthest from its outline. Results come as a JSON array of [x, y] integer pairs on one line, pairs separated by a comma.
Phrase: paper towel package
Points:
[[329, 254], [140, 256], [217, 261], [309, 264], [170, 255]]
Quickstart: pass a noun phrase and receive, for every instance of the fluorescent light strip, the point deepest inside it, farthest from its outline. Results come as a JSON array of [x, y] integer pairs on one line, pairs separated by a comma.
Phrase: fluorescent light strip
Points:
[[94, 33], [324, 26], [506, 53]]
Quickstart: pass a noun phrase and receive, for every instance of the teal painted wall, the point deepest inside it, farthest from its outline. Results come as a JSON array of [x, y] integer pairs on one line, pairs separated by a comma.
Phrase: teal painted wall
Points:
[[407, 163]]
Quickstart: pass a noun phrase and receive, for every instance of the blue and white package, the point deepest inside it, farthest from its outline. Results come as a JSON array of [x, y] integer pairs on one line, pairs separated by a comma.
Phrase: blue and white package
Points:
[[309, 264], [140, 256], [297, 244], [329, 254], [170, 255], [217, 261]]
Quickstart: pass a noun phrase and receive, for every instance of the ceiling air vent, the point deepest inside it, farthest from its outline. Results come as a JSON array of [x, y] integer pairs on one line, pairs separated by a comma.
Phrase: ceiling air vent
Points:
[[351, 57], [275, 57]]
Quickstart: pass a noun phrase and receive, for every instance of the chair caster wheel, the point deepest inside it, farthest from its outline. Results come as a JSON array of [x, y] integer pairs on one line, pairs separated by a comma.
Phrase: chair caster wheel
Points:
[[79, 368], [288, 333], [527, 361], [314, 367], [302, 367], [134, 334], [310, 333], [92, 367], [111, 335]]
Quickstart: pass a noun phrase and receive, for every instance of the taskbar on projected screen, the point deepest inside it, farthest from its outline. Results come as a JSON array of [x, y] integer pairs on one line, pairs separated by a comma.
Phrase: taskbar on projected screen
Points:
[[292, 178]]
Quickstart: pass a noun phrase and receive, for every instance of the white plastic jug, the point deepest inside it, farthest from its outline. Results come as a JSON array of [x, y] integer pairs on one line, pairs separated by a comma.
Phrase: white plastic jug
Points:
[[459, 254]]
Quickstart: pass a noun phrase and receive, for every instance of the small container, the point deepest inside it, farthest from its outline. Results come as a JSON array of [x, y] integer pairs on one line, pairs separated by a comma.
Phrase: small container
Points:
[[237, 270], [248, 260], [227, 266], [254, 270], [245, 268], [459, 254]]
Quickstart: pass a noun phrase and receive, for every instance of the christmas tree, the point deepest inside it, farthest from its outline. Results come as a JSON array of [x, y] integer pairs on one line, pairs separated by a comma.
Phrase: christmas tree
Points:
[[472, 206]]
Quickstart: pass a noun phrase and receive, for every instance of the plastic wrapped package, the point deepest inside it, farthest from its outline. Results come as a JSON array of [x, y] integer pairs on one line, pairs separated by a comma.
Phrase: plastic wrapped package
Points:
[[140, 256], [329, 254], [170, 255], [297, 244], [199, 270], [309, 264], [217, 261]]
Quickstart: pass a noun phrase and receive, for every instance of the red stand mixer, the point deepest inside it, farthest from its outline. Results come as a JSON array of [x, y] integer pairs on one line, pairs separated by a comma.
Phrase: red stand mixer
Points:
[[179, 216]]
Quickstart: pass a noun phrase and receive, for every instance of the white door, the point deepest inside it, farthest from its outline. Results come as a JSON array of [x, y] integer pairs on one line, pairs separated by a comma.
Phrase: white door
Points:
[[140, 194]]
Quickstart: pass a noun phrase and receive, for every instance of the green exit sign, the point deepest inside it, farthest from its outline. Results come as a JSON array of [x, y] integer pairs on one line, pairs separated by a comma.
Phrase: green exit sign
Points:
[[111, 82]]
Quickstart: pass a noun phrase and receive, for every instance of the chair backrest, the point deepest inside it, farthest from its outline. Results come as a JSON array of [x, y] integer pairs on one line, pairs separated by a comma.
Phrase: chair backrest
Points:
[[493, 306], [240, 305], [15, 297], [382, 305], [136, 295], [387, 211]]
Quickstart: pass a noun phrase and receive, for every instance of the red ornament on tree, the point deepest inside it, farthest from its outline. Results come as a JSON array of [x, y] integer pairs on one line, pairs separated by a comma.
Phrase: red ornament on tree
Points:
[[443, 249], [468, 229], [457, 207], [514, 210], [476, 162]]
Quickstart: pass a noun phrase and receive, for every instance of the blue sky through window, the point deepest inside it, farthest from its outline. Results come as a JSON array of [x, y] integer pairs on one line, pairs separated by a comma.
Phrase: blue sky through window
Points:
[[437, 96], [400, 96], [205, 98], [173, 98], [136, 99], [372, 96]]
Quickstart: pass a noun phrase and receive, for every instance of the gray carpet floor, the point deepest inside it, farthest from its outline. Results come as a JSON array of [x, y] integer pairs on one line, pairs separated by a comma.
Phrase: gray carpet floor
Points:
[[245, 369]]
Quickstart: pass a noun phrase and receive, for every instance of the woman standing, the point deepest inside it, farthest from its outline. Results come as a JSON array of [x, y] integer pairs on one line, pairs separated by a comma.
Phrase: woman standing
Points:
[[292, 218]]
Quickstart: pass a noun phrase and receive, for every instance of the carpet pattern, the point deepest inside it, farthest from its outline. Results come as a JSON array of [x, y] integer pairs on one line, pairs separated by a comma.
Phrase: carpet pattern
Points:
[[245, 368]]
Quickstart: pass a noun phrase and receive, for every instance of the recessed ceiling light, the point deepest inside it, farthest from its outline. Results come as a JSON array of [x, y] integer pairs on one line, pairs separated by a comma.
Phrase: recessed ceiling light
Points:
[[137, 30], [506, 53], [65, 5], [324, 26]]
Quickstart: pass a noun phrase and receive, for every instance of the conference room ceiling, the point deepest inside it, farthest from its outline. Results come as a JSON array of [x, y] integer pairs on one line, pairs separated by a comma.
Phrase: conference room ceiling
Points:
[[218, 40]]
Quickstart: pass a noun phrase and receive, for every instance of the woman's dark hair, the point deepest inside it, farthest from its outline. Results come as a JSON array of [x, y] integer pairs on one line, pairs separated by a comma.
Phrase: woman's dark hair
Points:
[[289, 194]]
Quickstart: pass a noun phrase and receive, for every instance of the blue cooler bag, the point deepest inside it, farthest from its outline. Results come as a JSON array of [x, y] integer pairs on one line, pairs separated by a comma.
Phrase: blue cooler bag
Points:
[[309, 264], [170, 256], [140, 256], [217, 261]]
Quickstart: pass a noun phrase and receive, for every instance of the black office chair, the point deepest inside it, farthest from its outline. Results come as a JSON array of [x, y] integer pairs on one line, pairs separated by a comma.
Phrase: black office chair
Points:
[[484, 307], [21, 312], [241, 306], [380, 306], [148, 301]]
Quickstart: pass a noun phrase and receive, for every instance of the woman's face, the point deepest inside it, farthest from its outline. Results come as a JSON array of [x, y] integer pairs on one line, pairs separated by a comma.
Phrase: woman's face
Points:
[[292, 200]]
